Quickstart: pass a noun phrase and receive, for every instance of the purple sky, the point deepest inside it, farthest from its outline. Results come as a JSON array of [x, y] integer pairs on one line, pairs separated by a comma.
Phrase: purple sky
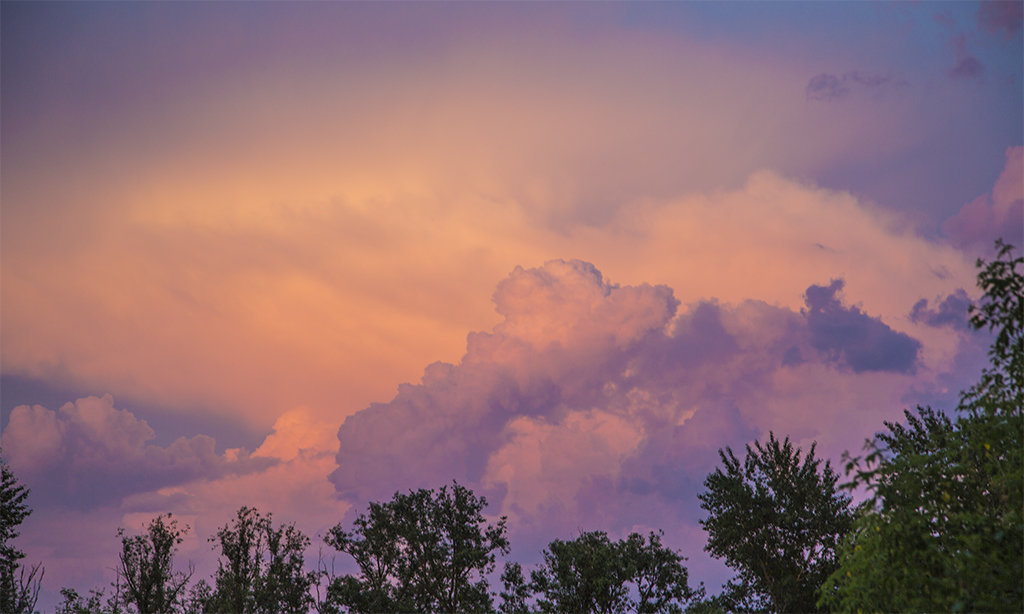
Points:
[[302, 255]]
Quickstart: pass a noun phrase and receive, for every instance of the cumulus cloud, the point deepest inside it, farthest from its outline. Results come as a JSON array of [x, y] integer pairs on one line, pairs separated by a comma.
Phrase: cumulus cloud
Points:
[[950, 311], [847, 334], [589, 393], [999, 214], [88, 453]]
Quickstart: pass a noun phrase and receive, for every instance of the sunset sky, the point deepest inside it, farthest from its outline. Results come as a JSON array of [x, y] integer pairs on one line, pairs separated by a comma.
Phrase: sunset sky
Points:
[[303, 255]]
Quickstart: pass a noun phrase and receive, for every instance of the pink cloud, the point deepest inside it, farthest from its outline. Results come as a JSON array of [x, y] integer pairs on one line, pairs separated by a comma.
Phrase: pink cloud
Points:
[[589, 393], [999, 214]]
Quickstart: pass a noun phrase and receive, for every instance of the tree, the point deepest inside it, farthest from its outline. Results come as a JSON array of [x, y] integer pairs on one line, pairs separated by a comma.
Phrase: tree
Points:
[[19, 586], [942, 527], [150, 583], [593, 574], [777, 519], [423, 551], [516, 590], [586, 574], [261, 568]]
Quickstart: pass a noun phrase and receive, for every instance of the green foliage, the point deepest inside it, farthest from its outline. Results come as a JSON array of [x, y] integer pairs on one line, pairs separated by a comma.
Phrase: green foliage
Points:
[[942, 527], [777, 519], [151, 584], [19, 586], [593, 574], [586, 574], [516, 590], [424, 551], [261, 568]]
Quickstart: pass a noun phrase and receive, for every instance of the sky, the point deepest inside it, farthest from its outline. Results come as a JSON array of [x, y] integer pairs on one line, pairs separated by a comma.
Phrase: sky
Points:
[[304, 255]]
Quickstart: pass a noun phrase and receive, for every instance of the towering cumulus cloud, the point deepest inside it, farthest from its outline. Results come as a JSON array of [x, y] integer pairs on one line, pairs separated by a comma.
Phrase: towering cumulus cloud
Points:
[[588, 391]]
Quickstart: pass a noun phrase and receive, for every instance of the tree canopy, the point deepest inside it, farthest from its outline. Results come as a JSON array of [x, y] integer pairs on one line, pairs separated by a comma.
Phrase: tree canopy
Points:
[[942, 529], [777, 519], [423, 551], [147, 567], [261, 568], [19, 586], [594, 574]]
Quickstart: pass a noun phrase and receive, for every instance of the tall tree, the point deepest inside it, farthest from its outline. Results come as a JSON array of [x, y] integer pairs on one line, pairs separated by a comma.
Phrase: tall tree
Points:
[[942, 529], [777, 519], [19, 586], [261, 568], [424, 551], [147, 567]]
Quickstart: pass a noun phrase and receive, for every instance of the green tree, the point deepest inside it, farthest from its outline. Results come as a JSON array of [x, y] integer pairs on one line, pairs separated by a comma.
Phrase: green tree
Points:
[[516, 590], [260, 568], [586, 574], [942, 527], [151, 585], [777, 519], [594, 574], [424, 551], [19, 586]]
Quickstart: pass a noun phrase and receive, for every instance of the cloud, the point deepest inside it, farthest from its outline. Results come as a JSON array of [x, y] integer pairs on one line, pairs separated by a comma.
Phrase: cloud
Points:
[[589, 392], [999, 214], [826, 87], [952, 311], [77, 542], [88, 453], [1001, 19], [846, 334], [967, 66]]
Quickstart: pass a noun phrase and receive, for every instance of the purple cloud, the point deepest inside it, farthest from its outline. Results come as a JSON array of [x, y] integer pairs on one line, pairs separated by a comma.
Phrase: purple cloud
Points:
[[589, 394], [88, 453], [852, 337], [826, 87], [967, 66], [952, 311], [1001, 18]]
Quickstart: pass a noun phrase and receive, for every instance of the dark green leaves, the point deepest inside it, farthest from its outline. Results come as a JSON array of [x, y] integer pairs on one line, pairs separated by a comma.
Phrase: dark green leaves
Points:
[[943, 528], [593, 574], [424, 551], [776, 518]]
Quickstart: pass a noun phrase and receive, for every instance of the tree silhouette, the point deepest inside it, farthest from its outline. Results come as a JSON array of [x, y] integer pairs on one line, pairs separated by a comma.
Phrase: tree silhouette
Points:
[[943, 528], [423, 551], [19, 586], [261, 568], [147, 567], [777, 519]]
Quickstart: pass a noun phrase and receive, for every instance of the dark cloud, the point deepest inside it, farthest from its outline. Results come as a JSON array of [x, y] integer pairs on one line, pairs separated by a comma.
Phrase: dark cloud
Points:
[[852, 337], [827, 87], [88, 453], [951, 311], [1001, 18]]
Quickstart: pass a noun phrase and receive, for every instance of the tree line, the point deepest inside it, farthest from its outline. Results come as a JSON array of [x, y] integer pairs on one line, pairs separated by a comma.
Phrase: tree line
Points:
[[941, 528]]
